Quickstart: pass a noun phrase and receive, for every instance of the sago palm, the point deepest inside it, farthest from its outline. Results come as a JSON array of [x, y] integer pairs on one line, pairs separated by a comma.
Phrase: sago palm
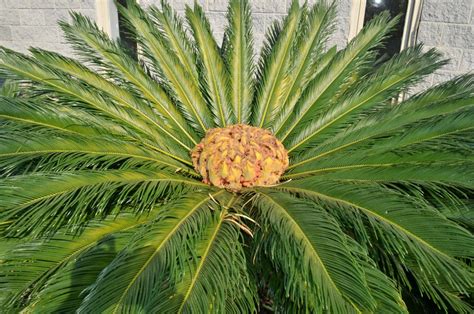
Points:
[[204, 179]]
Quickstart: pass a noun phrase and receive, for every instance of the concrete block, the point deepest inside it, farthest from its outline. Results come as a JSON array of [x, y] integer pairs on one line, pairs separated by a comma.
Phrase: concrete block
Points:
[[90, 13], [181, 4], [32, 17], [217, 5], [443, 76], [43, 4], [9, 17], [52, 16], [16, 4], [426, 83], [449, 11], [275, 6], [87, 4], [257, 6], [467, 61], [218, 22], [458, 36], [430, 33], [68, 4], [18, 46], [31, 34], [259, 24], [454, 55], [5, 33]]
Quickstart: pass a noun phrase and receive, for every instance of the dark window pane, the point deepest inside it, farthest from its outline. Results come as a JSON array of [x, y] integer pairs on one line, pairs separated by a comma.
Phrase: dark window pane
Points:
[[395, 7], [126, 35]]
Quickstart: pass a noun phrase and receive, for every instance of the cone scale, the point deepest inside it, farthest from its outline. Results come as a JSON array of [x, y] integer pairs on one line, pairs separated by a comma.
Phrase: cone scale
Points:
[[240, 156]]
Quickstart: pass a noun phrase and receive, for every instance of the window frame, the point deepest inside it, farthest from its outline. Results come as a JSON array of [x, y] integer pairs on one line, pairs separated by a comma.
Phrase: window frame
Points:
[[107, 17], [410, 29]]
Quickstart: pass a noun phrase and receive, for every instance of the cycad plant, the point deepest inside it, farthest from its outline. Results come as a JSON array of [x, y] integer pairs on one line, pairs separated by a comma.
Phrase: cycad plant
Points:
[[204, 179]]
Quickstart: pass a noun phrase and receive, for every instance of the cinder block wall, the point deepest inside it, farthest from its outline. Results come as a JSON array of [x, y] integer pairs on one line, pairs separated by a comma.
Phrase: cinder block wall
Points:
[[445, 24], [25, 23], [448, 25]]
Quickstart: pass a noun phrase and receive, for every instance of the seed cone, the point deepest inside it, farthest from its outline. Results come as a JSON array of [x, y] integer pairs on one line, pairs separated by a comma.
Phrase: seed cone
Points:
[[239, 156]]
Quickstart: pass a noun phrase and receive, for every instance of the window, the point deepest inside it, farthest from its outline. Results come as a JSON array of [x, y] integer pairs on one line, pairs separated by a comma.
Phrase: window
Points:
[[403, 36]]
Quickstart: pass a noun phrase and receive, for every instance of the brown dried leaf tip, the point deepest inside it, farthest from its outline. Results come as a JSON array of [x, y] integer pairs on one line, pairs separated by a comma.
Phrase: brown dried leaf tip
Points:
[[240, 156]]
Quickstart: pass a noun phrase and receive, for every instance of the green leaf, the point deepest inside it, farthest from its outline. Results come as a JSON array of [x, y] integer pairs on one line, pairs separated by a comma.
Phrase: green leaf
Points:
[[346, 62], [314, 30], [272, 76], [45, 202], [186, 91], [238, 49], [71, 150], [120, 95], [155, 255], [219, 282], [310, 248], [48, 275], [393, 76], [446, 98], [174, 33], [406, 226], [214, 74]]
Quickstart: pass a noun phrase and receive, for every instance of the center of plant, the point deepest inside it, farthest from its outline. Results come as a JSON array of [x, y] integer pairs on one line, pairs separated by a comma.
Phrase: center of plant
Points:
[[240, 156]]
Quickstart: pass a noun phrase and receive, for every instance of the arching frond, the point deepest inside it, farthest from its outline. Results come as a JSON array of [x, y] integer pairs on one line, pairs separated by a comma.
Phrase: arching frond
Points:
[[185, 90], [43, 202], [66, 152], [407, 228], [219, 282], [446, 98], [309, 245], [393, 76], [48, 275], [347, 62], [174, 34], [36, 112], [83, 34], [313, 33], [272, 77], [239, 56], [214, 74], [123, 97], [147, 270]]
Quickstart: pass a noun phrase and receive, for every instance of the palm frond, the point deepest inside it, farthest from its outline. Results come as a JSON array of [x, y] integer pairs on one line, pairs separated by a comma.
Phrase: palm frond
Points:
[[147, 270], [90, 41], [239, 56], [214, 73], [155, 50], [382, 288], [31, 69], [219, 282], [343, 66], [49, 274], [314, 31], [407, 228], [123, 97], [46, 152], [37, 112], [43, 202], [309, 245], [273, 73], [174, 34], [410, 66], [440, 100]]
